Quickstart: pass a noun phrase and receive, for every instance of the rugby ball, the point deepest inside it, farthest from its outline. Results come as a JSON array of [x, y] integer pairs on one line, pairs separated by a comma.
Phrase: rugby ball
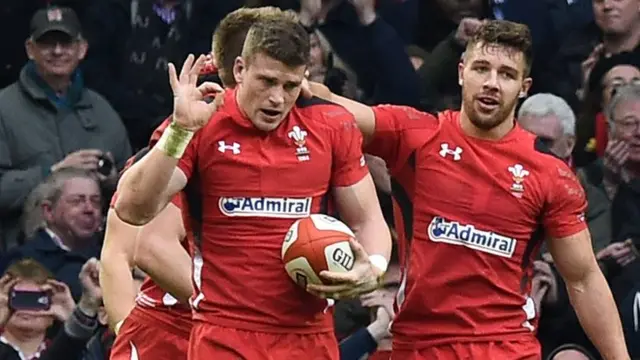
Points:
[[314, 244]]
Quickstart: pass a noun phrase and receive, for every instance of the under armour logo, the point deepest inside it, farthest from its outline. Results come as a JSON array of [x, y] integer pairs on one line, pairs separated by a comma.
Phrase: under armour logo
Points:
[[223, 147], [444, 151]]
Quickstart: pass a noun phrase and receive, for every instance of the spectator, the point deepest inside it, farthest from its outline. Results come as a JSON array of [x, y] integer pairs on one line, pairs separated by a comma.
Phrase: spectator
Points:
[[553, 121], [50, 121], [79, 324], [26, 330], [622, 255], [71, 210], [619, 22], [604, 79], [71, 340], [135, 40]]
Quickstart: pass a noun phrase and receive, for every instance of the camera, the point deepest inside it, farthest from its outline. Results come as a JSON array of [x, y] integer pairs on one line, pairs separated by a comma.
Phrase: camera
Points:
[[105, 165], [29, 300]]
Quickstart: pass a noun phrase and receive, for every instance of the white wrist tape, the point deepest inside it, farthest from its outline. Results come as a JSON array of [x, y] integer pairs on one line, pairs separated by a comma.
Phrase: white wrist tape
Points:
[[174, 141], [379, 261], [116, 329]]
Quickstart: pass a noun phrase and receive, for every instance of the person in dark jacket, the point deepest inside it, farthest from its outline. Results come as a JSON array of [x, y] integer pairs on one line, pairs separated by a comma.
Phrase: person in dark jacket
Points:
[[69, 234]]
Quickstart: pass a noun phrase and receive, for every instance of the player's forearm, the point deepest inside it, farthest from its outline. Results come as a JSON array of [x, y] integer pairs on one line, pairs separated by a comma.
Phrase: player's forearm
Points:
[[374, 236], [169, 266], [142, 192], [118, 290], [598, 315]]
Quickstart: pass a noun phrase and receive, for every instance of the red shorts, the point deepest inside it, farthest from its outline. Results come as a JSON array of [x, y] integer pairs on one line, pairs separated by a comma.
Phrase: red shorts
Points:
[[148, 342], [221, 343], [503, 350]]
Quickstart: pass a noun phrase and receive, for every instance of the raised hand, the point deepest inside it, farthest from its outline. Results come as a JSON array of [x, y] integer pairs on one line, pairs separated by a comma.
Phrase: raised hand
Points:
[[6, 284], [190, 110], [89, 278], [62, 303]]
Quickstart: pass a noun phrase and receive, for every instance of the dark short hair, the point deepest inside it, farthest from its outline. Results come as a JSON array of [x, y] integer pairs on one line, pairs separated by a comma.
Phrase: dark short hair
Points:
[[507, 34], [229, 36], [281, 39]]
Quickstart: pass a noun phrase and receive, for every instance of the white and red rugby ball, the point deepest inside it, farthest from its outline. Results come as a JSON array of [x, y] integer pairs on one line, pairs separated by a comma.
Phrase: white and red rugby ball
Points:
[[314, 244]]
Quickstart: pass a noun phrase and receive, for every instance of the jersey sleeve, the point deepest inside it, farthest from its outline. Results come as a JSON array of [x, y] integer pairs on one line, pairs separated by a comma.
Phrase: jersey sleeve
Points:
[[566, 204], [349, 166], [394, 125], [188, 160], [114, 198]]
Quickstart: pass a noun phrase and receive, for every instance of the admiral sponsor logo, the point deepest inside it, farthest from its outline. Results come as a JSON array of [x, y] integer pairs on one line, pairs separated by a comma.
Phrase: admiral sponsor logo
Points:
[[266, 207], [455, 233]]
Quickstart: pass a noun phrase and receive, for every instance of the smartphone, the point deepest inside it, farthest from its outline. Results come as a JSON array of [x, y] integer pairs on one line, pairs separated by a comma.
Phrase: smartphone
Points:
[[105, 165], [29, 300]]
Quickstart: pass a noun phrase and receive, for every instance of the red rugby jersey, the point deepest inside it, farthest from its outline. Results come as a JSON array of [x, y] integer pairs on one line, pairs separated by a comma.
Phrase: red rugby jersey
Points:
[[477, 211], [251, 186]]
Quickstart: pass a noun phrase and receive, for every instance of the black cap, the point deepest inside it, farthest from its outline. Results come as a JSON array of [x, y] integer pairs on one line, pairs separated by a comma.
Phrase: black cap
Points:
[[55, 19], [602, 67]]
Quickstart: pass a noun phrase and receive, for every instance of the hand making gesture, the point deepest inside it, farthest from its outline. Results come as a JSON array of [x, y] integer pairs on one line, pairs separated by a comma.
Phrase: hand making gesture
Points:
[[190, 110]]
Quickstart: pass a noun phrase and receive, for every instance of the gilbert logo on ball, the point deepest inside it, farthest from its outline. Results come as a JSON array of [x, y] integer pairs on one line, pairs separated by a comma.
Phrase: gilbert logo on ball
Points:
[[314, 244]]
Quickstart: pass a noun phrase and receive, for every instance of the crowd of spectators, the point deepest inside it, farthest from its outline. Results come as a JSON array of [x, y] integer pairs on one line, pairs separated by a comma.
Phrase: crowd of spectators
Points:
[[84, 83]]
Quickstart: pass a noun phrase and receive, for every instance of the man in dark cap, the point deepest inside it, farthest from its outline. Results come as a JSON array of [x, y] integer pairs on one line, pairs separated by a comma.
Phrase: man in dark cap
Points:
[[56, 45]]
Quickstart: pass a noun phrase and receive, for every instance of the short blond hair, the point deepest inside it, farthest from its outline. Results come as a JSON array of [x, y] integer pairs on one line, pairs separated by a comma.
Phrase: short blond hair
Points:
[[229, 36]]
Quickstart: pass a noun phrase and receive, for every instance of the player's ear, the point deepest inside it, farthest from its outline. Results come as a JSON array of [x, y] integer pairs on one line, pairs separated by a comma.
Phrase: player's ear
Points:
[[238, 69], [526, 85], [460, 72]]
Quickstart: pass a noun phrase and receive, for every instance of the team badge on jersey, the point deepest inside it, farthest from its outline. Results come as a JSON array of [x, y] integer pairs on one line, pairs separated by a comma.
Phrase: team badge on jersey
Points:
[[298, 135], [518, 173]]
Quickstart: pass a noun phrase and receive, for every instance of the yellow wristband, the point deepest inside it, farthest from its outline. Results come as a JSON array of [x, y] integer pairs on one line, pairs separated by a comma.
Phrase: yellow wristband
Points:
[[116, 329], [174, 141]]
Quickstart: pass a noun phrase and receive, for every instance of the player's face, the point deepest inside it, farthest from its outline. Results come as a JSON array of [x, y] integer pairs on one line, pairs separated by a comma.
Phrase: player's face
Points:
[[492, 78], [267, 89]]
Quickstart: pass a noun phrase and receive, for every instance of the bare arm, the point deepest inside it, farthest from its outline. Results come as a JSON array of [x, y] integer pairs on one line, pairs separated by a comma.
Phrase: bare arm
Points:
[[147, 187], [161, 255], [589, 293], [365, 118], [117, 260], [359, 207]]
